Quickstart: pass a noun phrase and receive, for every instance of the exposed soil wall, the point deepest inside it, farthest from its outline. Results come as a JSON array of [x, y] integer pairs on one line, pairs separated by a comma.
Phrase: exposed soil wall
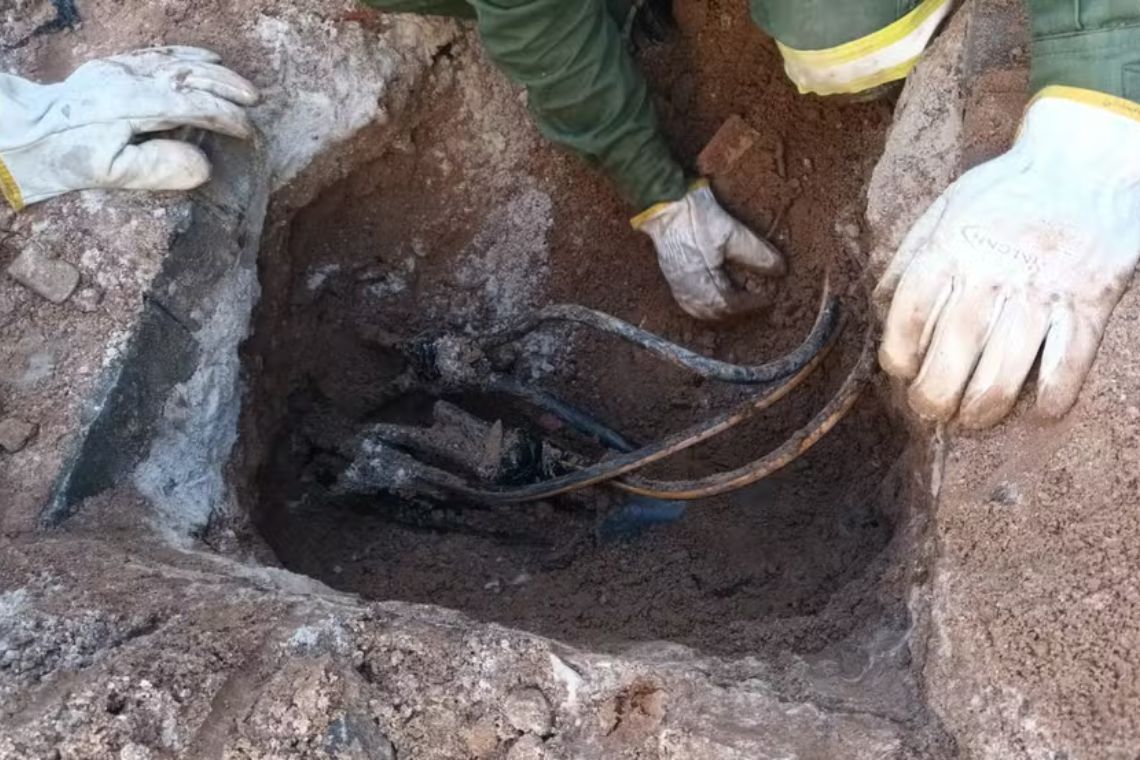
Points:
[[468, 221], [950, 596]]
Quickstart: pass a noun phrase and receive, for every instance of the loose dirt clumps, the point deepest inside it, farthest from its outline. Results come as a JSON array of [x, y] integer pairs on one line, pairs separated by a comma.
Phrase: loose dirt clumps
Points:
[[449, 229], [886, 582]]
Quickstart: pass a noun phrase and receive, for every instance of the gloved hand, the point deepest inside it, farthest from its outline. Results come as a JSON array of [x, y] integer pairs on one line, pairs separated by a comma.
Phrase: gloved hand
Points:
[[82, 133], [1031, 249], [694, 237]]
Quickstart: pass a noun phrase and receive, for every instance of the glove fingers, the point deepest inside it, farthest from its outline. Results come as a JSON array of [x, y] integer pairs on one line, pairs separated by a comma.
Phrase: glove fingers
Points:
[[959, 337], [158, 165], [152, 57], [739, 302], [916, 240], [702, 294], [918, 302], [197, 109], [1070, 349], [1005, 363], [753, 252], [217, 80]]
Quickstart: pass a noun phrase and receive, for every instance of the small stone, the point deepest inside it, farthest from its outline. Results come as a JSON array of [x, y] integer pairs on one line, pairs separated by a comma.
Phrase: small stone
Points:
[[15, 434], [51, 278], [132, 751], [527, 747], [731, 141], [528, 711], [550, 423], [7, 301], [87, 300], [1006, 494], [481, 739]]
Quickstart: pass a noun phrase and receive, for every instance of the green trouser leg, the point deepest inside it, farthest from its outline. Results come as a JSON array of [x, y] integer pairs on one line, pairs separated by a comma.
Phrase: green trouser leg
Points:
[[820, 24], [582, 85], [1093, 44]]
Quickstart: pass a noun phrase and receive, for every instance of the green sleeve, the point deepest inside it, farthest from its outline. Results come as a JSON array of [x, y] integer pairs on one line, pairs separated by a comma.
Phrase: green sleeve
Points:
[[1094, 44], [583, 89], [821, 24]]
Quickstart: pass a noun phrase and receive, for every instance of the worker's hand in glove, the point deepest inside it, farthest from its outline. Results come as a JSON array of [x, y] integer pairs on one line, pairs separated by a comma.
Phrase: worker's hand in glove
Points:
[[85, 132], [1026, 253], [694, 238]]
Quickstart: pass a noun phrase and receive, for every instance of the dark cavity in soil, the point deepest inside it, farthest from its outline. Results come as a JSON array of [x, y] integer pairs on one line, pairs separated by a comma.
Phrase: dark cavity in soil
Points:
[[468, 220]]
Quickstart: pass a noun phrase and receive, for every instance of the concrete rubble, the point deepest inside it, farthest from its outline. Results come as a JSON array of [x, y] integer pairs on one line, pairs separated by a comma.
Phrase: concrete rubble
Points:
[[15, 433], [123, 636], [50, 278]]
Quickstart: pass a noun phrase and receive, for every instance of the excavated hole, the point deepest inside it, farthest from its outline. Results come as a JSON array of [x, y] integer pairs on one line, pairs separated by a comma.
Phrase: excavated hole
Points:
[[468, 221]]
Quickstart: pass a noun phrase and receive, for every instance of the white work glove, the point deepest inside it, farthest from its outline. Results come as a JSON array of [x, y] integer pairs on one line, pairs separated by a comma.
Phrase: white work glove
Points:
[[694, 237], [83, 132], [1031, 249]]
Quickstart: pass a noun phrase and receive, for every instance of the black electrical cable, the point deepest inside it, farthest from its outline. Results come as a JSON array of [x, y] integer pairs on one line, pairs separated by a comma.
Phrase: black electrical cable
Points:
[[800, 441], [571, 415], [624, 463], [826, 322]]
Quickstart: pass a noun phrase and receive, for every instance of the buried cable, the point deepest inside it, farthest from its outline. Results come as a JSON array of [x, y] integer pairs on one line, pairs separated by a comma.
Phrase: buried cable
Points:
[[638, 512], [577, 419], [802, 440], [622, 464], [826, 324]]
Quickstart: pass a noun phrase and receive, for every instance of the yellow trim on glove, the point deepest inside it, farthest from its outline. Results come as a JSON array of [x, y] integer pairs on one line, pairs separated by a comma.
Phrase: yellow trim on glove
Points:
[[10, 189], [864, 46], [1117, 105], [639, 220]]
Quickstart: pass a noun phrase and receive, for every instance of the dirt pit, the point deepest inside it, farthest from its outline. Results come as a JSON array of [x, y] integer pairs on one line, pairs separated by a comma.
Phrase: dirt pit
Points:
[[469, 221]]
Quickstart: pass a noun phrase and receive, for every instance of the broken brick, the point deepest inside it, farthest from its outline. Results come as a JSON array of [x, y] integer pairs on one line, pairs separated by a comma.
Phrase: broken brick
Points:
[[51, 278], [731, 141], [15, 434]]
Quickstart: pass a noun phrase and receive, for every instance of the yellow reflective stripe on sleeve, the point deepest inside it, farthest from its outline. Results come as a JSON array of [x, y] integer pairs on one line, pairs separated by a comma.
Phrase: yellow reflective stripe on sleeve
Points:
[[883, 56], [894, 73], [1118, 105], [864, 46], [10, 189]]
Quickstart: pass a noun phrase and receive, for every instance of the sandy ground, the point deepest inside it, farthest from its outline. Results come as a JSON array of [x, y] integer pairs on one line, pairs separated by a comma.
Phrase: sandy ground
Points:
[[899, 593]]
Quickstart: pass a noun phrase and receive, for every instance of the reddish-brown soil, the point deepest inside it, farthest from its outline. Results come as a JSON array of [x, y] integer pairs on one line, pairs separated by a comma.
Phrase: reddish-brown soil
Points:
[[791, 563]]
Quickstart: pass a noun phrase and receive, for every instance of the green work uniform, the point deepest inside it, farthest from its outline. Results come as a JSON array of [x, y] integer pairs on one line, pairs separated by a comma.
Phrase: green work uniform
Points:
[[586, 93]]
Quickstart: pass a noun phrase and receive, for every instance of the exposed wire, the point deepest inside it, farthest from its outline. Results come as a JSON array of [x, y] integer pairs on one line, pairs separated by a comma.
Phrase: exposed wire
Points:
[[826, 322], [624, 463], [802, 440]]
